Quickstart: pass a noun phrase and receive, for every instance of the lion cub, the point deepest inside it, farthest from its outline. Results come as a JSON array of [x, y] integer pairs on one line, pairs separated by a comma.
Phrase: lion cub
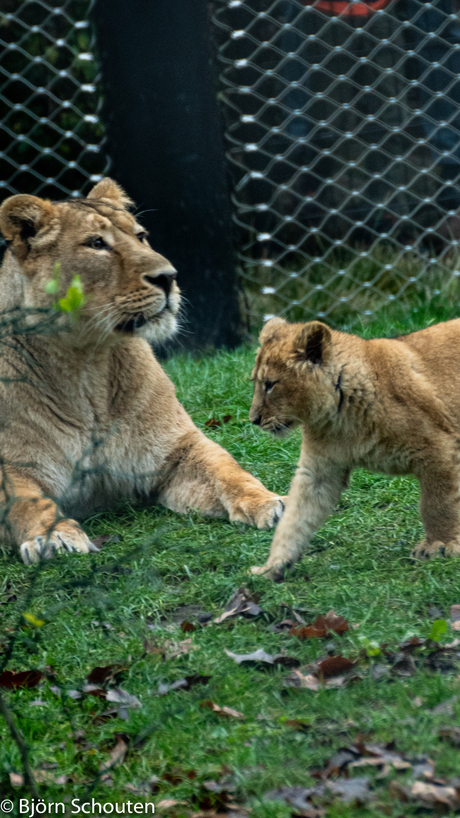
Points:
[[388, 405]]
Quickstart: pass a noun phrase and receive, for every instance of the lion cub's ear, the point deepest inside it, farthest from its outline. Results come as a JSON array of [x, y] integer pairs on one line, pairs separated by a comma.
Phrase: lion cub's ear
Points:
[[269, 329], [108, 189], [313, 343], [28, 221]]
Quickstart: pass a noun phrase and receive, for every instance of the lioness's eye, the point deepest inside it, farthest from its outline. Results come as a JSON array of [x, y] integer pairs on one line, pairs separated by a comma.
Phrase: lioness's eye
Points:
[[97, 243], [142, 236], [269, 385]]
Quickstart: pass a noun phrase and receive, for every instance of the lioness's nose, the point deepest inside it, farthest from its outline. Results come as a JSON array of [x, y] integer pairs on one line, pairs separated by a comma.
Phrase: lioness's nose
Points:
[[255, 417], [164, 279]]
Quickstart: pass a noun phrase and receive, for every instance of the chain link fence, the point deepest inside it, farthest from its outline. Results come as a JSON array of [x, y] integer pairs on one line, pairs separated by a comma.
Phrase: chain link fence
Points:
[[51, 136], [343, 130]]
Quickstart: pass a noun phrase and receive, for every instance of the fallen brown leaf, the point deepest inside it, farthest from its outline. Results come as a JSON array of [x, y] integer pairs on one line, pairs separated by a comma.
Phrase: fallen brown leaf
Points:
[[104, 675], [183, 684], [430, 795], [349, 790], [153, 648], [299, 726], [105, 538], [212, 423], [25, 678], [334, 666], [120, 696], [261, 658], [116, 757], [186, 627], [455, 617], [175, 649], [241, 603], [322, 627], [451, 733], [222, 711]]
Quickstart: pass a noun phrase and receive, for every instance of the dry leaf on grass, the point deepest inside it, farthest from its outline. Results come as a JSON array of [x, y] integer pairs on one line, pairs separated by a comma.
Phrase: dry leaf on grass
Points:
[[104, 675], [186, 627], [334, 666], [351, 790], [299, 726], [455, 617], [328, 673], [153, 648], [262, 659], [120, 696], [222, 711], [41, 777], [116, 757], [175, 649], [25, 678], [103, 539], [183, 684], [450, 733], [322, 627], [213, 423], [241, 603], [428, 795], [145, 788]]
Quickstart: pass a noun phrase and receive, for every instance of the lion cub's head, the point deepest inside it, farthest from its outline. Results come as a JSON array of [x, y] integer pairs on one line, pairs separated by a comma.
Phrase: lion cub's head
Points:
[[293, 382], [127, 287]]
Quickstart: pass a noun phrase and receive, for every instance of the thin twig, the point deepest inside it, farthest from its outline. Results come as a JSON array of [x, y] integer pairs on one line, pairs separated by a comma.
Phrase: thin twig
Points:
[[22, 747]]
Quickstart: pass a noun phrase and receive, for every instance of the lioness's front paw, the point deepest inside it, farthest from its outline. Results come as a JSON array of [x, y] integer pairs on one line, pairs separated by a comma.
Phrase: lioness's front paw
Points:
[[426, 550], [65, 537], [269, 514]]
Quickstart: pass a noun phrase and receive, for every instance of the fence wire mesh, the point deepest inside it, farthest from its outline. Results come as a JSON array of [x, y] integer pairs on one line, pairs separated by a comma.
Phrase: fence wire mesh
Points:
[[51, 136], [343, 129]]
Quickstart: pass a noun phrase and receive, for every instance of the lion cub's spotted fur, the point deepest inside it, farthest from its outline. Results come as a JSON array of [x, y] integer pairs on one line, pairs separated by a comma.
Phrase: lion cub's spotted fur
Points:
[[88, 417], [388, 405]]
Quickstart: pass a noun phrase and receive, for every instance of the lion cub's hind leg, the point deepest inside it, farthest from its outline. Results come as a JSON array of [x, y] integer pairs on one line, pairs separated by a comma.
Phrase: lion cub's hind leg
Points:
[[440, 507]]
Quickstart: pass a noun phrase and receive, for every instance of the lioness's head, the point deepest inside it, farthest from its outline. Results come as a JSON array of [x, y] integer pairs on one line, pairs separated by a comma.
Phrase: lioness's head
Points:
[[127, 287], [292, 381]]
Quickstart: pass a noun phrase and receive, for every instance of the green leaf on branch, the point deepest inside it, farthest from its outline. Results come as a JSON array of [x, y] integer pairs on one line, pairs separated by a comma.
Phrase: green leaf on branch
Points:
[[74, 297]]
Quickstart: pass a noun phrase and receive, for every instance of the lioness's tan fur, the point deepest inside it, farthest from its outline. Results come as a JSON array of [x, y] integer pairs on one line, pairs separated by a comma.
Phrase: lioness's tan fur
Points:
[[388, 405], [88, 417]]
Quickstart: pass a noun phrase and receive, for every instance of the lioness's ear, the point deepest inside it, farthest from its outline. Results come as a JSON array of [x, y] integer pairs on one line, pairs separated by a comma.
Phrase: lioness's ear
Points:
[[269, 329], [27, 221], [108, 189], [313, 343]]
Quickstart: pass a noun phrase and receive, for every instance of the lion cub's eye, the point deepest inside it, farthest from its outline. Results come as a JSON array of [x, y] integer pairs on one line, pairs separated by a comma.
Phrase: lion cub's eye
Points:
[[97, 243], [268, 385]]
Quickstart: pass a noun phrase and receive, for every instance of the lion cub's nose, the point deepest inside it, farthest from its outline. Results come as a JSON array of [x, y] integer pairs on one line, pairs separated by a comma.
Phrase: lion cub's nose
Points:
[[163, 279], [255, 418]]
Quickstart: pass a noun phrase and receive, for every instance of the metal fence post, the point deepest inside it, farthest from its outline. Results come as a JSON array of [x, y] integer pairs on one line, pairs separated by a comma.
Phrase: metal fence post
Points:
[[165, 141]]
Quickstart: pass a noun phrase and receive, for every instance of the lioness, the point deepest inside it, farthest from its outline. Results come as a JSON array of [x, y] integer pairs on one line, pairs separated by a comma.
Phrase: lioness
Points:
[[88, 417], [389, 405]]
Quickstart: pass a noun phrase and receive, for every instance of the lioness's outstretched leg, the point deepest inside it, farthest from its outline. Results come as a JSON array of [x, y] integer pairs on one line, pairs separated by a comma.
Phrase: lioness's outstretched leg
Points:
[[315, 490], [440, 507], [200, 474], [34, 522]]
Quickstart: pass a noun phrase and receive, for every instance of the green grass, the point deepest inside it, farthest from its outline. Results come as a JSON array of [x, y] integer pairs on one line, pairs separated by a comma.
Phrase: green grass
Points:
[[357, 564]]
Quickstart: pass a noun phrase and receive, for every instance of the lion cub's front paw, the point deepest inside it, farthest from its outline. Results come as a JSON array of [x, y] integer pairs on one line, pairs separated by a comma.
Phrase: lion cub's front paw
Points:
[[268, 515], [426, 550], [275, 572], [64, 537]]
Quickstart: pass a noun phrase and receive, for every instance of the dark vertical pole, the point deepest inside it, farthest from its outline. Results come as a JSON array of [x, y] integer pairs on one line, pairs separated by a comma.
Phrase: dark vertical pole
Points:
[[165, 140]]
